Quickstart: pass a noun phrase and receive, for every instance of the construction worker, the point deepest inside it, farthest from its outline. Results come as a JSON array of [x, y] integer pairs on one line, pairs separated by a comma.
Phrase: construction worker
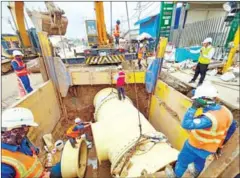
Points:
[[77, 130], [117, 32], [206, 54], [140, 55], [209, 131], [19, 155], [120, 78], [21, 72]]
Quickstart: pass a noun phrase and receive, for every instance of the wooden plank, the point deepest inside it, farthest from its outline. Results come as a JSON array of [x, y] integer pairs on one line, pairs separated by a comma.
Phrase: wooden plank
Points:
[[229, 100], [44, 105]]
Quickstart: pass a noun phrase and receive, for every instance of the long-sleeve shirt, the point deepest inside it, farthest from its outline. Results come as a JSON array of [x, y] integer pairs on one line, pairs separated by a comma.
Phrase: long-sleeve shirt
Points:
[[8, 171], [15, 66], [190, 122]]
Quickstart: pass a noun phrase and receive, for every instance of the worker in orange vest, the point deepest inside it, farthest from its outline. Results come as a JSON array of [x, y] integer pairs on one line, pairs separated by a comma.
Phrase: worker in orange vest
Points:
[[77, 130], [117, 32], [140, 55], [19, 155], [21, 72], [208, 132]]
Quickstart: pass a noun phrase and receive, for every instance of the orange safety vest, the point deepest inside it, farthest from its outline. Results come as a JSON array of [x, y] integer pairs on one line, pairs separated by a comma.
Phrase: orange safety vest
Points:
[[211, 139], [73, 134], [140, 53], [21, 72], [24, 165], [116, 31]]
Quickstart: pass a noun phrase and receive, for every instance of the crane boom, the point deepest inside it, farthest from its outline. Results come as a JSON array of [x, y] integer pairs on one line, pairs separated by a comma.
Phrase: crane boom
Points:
[[101, 26]]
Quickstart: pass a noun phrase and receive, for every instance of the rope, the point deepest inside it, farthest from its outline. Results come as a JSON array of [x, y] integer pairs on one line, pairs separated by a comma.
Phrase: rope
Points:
[[136, 94]]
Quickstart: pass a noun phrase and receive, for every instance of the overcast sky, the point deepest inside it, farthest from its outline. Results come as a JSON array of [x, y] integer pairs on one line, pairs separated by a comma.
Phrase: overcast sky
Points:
[[78, 12]]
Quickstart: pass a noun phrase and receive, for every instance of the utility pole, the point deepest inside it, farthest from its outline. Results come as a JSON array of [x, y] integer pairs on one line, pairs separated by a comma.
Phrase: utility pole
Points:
[[128, 22], [111, 17], [139, 10]]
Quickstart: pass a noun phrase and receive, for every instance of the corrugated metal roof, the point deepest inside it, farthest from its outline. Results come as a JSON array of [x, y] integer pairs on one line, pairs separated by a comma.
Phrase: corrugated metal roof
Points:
[[145, 19]]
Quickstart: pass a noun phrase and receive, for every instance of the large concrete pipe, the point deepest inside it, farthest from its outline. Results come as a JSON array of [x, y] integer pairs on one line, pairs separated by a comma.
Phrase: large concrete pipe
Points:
[[74, 160], [117, 131]]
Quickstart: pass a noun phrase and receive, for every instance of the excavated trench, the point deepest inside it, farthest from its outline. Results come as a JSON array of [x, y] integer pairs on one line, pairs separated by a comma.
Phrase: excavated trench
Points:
[[79, 103]]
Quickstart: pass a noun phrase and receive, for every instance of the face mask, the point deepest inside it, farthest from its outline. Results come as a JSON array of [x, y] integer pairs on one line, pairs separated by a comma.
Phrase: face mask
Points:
[[14, 136], [18, 58]]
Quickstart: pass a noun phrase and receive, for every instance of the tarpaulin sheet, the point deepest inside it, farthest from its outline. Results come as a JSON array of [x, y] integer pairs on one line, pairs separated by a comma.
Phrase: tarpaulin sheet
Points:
[[191, 53], [151, 75]]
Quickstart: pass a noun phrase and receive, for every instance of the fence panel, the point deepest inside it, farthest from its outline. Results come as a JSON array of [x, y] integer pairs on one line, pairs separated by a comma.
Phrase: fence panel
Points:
[[195, 33]]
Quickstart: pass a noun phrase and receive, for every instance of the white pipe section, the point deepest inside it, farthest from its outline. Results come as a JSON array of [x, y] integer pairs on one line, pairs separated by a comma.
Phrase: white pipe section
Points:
[[117, 130]]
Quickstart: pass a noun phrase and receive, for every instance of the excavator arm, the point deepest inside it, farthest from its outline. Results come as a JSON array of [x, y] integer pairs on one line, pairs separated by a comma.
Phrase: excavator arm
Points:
[[17, 11], [53, 22]]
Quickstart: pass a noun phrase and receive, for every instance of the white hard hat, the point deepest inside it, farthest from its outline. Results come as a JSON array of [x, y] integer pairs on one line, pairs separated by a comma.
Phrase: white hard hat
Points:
[[77, 120], [16, 117], [141, 45], [207, 40], [17, 53], [119, 67], [206, 90]]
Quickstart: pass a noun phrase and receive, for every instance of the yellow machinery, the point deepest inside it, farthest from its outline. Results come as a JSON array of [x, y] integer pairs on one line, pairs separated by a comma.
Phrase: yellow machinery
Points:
[[233, 51], [101, 26], [17, 11], [53, 22], [104, 53]]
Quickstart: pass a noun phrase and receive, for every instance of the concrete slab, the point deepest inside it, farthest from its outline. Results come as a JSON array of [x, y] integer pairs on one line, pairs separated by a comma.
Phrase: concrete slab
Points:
[[228, 91]]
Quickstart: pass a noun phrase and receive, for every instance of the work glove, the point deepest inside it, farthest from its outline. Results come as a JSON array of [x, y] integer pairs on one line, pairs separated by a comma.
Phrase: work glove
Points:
[[196, 104]]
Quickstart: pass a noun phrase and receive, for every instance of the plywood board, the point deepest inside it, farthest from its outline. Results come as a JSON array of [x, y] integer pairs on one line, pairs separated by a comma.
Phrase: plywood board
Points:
[[81, 78], [103, 77], [44, 105], [63, 77]]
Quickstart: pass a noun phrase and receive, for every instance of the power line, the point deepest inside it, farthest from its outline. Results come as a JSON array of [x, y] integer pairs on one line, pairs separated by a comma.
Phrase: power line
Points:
[[152, 11]]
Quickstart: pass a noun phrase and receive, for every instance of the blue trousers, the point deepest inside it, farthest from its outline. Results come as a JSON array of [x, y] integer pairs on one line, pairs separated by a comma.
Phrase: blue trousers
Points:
[[26, 83], [56, 171], [121, 93], [186, 157]]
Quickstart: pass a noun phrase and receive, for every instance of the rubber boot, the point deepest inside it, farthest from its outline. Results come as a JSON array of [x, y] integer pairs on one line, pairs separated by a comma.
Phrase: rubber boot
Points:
[[73, 142], [170, 172], [194, 173]]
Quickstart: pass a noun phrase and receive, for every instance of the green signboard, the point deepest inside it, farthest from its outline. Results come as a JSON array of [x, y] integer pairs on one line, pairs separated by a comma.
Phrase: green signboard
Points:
[[165, 19]]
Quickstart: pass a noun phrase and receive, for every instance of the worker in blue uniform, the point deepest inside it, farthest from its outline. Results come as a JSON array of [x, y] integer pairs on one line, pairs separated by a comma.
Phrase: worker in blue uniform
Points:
[[209, 131], [19, 155], [21, 71]]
